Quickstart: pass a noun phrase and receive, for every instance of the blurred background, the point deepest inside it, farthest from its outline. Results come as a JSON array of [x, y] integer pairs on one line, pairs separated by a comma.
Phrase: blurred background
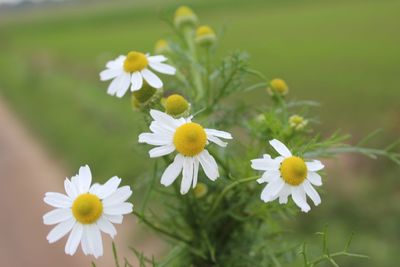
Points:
[[344, 54]]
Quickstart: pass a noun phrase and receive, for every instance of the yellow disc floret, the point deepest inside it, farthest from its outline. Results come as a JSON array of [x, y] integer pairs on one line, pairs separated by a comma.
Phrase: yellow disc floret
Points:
[[135, 61], [205, 35], [190, 139], [176, 104], [87, 208], [278, 86], [293, 170]]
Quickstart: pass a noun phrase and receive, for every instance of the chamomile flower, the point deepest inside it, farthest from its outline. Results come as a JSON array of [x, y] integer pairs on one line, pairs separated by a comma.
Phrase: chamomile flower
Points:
[[130, 70], [86, 211], [189, 139], [288, 175]]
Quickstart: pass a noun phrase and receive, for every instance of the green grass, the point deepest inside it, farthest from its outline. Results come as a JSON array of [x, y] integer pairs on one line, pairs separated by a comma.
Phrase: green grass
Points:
[[342, 53]]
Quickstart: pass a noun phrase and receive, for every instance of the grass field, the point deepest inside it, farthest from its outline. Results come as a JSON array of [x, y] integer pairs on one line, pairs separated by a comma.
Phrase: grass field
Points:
[[344, 54]]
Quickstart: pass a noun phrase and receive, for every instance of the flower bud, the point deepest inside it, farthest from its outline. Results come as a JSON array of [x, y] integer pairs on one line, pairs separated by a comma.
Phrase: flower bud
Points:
[[297, 122], [143, 96], [176, 105], [200, 190], [278, 87], [205, 36], [162, 47], [184, 16]]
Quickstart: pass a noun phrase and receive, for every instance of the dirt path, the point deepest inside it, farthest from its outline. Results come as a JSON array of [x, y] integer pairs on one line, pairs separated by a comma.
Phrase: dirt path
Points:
[[26, 172]]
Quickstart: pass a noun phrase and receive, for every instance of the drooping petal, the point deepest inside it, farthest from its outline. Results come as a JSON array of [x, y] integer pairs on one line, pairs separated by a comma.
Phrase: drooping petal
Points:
[[311, 192], [187, 175], [218, 133], [315, 165], [314, 178], [163, 68], [60, 230], [115, 84], [272, 190], [57, 216], [74, 239], [195, 171], [209, 165], [124, 84], [136, 81], [280, 148], [106, 226], [152, 79], [172, 171], [299, 197], [161, 151], [217, 141], [57, 200]]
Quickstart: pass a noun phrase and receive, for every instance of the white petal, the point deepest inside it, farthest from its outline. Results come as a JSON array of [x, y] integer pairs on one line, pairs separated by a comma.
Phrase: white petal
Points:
[[94, 240], [124, 84], [187, 175], [269, 176], [109, 74], [115, 84], [85, 243], [151, 79], [165, 120], [57, 200], [315, 165], [314, 178], [161, 151], [116, 63], [114, 218], [162, 68], [312, 193], [280, 148], [209, 165], [74, 239], [85, 179], [70, 189], [136, 81], [161, 129], [155, 139], [283, 195], [265, 164], [272, 190], [218, 133], [158, 58], [195, 171], [216, 140], [119, 209], [106, 226], [95, 189], [60, 230], [172, 171], [57, 216], [119, 196], [109, 187], [299, 197]]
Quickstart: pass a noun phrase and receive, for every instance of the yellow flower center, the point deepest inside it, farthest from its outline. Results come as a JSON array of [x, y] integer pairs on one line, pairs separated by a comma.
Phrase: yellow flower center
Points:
[[190, 139], [279, 86], [184, 11], [293, 170], [87, 208], [204, 30], [135, 61], [175, 105]]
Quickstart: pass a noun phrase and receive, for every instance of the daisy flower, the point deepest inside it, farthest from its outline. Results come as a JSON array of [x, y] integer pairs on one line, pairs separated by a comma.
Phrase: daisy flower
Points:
[[85, 211], [288, 175], [189, 139], [130, 70]]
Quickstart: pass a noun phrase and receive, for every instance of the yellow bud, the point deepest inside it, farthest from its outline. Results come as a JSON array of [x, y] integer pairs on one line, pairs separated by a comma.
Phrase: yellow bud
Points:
[[278, 86], [205, 35], [184, 16], [200, 190], [161, 47], [297, 122], [176, 105]]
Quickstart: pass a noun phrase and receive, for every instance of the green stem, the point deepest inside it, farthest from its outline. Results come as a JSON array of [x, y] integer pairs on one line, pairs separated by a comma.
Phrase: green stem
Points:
[[115, 255], [198, 84]]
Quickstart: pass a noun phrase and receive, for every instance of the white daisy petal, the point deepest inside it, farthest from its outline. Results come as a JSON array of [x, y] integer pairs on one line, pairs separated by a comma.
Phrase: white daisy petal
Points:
[[85, 179], [114, 218], [162, 68], [94, 240], [269, 176], [136, 81], [209, 165], [119, 196], [265, 164], [299, 197], [155, 139], [109, 74], [283, 195], [117, 63], [84, 242], [107, 227], [156, 59], [60, 230], [119, 209], [109, 187], [195, 171], [165, 120], [217, 141], [272, 190], [218, 133], [315, 165], [311, 192], [57, 200], [151, 79], [95, 189], [124, 84], [172, 171], [74, 239], [314, 178], [115, 84], [280, 148], [187, 175], [161, 151], [70, 189], [57, 216]]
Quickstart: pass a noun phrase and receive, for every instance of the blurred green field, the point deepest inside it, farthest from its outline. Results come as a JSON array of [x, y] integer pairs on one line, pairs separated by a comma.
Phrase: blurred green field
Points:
[[344, 54]]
